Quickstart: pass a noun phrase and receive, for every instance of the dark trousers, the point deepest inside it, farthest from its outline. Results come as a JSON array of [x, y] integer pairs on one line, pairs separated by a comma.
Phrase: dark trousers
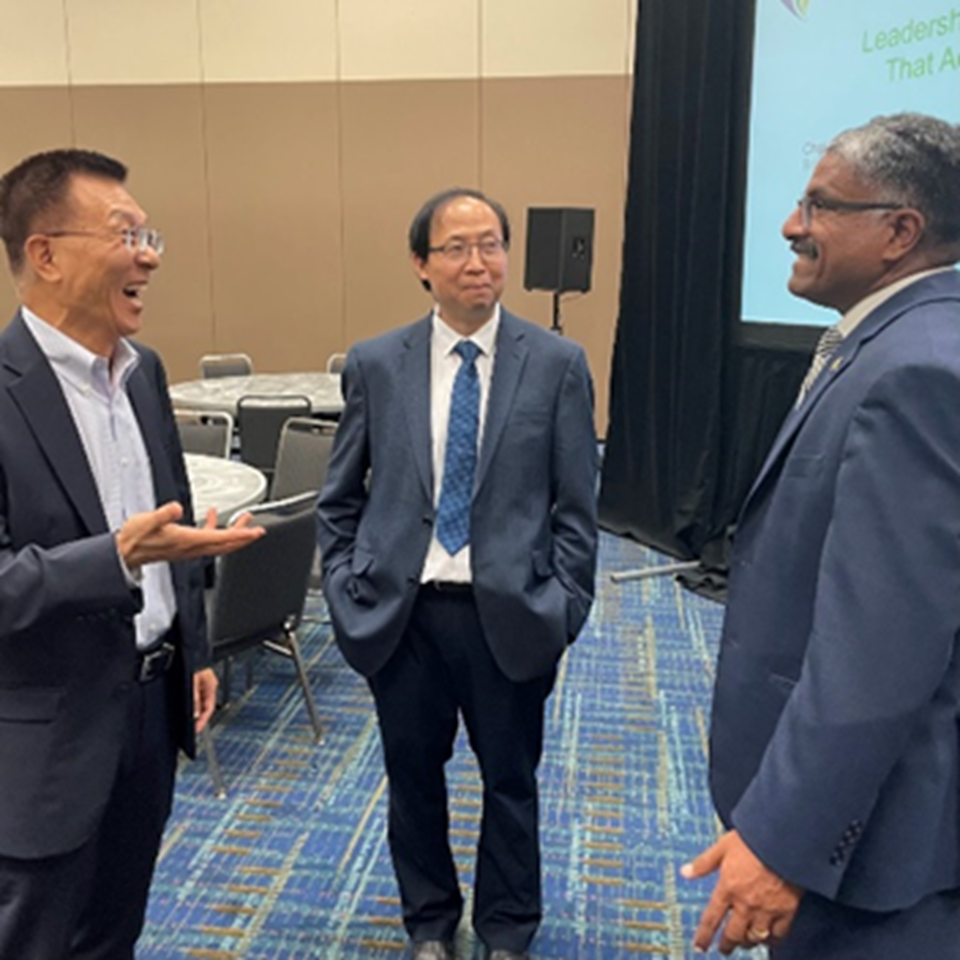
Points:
[[89, 904], [824, 930], [443, 667]]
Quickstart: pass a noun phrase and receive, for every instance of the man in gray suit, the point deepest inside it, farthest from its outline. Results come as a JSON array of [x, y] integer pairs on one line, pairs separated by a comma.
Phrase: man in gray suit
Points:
[[458, 534]]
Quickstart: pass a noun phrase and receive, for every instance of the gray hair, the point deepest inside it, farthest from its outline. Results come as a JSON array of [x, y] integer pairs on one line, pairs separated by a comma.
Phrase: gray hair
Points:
[[915, 160]]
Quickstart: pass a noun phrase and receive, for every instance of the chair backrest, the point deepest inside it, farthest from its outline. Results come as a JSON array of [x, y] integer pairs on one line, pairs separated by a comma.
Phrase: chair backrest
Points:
[[259, 422], [202, 431], [302, 457], [262, 588], [336, 362], [225, 365]]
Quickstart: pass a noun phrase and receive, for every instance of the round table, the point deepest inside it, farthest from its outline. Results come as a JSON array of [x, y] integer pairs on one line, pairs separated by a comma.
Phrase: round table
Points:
[[222, 393], [225, 485]]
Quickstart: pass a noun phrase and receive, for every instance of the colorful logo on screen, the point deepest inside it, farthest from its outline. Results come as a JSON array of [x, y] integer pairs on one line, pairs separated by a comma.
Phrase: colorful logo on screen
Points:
[[798, 8]]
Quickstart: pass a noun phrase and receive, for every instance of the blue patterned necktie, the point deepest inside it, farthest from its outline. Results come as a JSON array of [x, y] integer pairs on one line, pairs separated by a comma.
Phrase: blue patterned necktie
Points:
[[460, 457]]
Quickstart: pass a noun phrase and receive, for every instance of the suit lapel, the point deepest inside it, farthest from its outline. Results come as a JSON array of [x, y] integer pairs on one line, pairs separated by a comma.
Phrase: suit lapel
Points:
[[798, 414], [843, 358], [508, 366], [415, 391], [37, 392], [145, 402]]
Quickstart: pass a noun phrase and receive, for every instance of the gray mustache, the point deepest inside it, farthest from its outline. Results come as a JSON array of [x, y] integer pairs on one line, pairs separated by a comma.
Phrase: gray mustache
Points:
[[805, 249]]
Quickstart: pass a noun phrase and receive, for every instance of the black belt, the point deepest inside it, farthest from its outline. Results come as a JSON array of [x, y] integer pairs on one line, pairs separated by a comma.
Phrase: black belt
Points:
[[155, 662], [449, 586]]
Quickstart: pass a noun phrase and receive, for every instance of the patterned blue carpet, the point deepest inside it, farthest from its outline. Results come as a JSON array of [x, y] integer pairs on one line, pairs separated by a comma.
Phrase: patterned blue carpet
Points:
[[294, 863]]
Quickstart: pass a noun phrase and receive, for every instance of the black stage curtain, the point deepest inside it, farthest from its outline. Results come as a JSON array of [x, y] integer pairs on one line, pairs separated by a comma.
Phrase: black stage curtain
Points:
[[692, 408]]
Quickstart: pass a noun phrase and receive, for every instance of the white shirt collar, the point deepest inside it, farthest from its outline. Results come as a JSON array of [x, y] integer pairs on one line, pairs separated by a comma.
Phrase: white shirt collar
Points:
[[446, 338], [859, 311], [75, 362]]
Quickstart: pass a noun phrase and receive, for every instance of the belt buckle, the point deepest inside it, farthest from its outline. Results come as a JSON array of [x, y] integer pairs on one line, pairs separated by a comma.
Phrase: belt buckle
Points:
[[452, 586], [155, 663]]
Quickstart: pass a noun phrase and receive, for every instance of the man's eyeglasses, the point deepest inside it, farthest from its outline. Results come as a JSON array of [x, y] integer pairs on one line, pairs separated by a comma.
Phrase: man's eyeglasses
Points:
[[808, 205], [134, 238], [458, 251]]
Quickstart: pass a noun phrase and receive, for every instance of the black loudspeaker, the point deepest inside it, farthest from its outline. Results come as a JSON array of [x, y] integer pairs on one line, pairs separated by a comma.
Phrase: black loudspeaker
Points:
[[559, 249]]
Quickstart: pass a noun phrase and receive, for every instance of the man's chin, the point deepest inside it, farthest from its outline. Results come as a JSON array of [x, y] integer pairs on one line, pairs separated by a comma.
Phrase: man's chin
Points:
[[800, 283], [129, 322], [482, 305]]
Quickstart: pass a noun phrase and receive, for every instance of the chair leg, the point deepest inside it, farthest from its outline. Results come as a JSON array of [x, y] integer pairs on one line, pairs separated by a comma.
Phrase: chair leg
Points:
[[315, 589], [291, 638], [213, 765]]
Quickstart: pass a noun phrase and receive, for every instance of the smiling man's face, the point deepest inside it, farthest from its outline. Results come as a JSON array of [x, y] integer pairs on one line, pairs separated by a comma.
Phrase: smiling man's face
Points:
[[841, 254], [100, 279]]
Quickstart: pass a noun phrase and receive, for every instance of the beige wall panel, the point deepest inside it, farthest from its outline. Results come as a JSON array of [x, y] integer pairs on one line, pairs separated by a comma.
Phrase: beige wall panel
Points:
[[632, 35], [409, 39], [276, 222], [133, 41], [563, 143], [32, 119], [280, 40], [33, 48], [402, 142], [544, 38], [157, 132]]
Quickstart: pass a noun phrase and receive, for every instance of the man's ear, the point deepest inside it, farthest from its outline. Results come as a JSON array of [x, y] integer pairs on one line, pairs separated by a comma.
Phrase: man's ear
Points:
[[39, 258], [420, 269], [909, 227]]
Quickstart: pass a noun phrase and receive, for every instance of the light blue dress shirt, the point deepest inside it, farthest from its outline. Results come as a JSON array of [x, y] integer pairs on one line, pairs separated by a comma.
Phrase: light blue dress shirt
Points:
[[96, 393]]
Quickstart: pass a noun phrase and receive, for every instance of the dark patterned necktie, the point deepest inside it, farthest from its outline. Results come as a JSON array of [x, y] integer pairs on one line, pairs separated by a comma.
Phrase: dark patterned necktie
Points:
[[460, 457], [830, 339]]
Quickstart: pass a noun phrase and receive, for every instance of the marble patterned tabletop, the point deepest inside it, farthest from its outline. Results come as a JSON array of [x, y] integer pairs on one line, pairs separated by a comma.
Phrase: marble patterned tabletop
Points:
[[222, 393], [226, 485]]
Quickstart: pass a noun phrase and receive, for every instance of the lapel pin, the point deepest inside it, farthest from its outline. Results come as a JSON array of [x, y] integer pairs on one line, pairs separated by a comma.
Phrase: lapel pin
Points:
[[837, 364]]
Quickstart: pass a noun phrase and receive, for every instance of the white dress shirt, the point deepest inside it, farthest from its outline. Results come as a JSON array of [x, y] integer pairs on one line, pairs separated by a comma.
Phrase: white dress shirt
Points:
[[444, 364], [96, 392]]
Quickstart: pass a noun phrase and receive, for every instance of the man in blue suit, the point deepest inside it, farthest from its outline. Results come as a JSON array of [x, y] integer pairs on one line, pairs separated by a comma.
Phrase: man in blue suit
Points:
[[103, 663], [835, 738], [458, 535]]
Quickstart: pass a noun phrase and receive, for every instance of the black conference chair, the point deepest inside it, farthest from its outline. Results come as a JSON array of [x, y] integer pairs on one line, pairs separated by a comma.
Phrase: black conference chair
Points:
[[303, 456], [225, 365], [207, 432], [302, 460], [258, 597], [259, 422]]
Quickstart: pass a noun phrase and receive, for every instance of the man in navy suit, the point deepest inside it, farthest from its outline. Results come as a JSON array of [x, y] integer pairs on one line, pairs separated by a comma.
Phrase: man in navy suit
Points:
[[458, 572], [103, 663], [835, 737]]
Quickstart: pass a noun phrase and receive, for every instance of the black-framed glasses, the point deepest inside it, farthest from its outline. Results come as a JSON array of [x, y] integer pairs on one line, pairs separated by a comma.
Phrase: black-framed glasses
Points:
[[458, 251], [808, 205], [134, 238]]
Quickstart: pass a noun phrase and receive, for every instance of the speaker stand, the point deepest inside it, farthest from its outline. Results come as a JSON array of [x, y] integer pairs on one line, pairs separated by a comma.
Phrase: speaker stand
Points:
[[556, 326]]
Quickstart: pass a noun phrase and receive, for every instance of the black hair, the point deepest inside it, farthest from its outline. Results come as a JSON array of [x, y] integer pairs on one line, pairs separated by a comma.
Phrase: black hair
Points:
[[39, 185]]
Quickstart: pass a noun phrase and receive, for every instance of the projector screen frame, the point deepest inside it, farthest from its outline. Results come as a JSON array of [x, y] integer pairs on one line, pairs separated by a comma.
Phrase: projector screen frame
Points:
[[757, 334]]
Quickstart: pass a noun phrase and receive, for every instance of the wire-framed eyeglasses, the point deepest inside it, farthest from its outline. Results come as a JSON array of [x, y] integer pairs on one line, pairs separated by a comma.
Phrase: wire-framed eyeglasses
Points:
[[458, 251], [134, 238], [812, 204]]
